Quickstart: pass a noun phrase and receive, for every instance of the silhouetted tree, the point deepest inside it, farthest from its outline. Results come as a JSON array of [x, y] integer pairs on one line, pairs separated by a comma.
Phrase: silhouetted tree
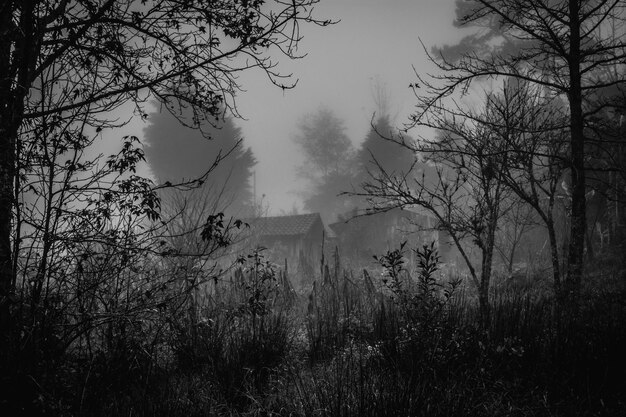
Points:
[[329, 164], [194, 153], [529, 127]]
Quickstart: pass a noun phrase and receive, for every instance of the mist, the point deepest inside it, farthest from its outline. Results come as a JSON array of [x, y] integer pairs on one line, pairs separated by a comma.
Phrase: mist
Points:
[[312, 208]]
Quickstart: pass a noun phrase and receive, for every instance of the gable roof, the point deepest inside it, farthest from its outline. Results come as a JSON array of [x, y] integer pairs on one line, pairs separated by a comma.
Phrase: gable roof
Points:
[[296, 225]]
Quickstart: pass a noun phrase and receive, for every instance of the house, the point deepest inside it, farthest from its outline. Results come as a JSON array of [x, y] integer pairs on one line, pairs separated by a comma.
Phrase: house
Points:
[[361, 237], [296, 240]]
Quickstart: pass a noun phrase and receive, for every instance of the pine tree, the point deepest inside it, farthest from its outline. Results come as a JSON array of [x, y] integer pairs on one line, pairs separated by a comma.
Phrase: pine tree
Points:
[[178, 153]]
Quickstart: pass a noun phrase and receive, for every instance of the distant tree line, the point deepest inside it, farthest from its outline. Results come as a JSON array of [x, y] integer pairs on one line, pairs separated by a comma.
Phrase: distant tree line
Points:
[[333, 165]]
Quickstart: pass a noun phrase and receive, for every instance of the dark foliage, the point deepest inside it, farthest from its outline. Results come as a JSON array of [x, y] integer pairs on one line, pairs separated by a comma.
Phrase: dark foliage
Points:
[[212, 153]]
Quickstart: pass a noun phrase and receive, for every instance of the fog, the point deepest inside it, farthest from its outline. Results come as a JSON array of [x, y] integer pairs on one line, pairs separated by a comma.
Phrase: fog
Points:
[[312, 207], [373, 44], [374, 41]]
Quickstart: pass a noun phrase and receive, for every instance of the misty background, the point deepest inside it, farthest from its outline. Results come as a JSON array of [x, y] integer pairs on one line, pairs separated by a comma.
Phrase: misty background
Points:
[[424, 220], [373, 50]]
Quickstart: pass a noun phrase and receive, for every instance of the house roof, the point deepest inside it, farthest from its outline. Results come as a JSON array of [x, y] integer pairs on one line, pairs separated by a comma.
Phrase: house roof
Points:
[[295, 225]]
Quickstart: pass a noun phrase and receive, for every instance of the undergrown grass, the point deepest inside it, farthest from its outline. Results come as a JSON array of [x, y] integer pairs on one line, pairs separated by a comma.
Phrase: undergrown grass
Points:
[[360, 343], [525, 363]]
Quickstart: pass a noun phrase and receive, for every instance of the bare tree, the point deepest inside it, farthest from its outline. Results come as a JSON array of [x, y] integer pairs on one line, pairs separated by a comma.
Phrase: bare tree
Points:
[[463, 193], [529, 125], [524, 127], [567, 48]]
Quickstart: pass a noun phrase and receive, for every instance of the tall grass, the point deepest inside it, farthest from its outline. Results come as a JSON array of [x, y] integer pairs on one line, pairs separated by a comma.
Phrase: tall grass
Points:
[[410, 342], [391, 339]]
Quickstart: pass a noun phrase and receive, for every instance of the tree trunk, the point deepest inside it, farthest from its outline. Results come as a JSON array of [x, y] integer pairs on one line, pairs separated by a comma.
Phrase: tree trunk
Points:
[[484, 305], [578, 224], [7, 157], [554, 257], [16, 63], [8, 135], [485, 278]]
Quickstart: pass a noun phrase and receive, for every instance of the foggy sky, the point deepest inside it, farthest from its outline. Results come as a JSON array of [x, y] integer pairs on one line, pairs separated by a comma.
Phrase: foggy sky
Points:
[[374, 40]]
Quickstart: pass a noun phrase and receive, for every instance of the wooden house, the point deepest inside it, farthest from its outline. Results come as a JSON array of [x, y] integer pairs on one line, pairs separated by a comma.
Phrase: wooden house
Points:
[[297, 240]]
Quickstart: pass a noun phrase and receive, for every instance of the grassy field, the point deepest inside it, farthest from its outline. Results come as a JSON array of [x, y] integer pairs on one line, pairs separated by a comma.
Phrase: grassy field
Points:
[[372, 342]]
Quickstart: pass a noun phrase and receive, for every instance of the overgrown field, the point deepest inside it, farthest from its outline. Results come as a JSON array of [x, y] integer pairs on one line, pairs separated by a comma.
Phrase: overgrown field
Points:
[[391, 339]]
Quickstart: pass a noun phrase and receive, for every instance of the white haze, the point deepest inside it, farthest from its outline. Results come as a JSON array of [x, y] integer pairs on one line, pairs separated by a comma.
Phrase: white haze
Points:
[[375, 41]]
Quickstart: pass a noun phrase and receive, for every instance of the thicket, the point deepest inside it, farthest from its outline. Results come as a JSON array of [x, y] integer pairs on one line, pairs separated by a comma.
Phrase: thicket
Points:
[[395, 338]]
